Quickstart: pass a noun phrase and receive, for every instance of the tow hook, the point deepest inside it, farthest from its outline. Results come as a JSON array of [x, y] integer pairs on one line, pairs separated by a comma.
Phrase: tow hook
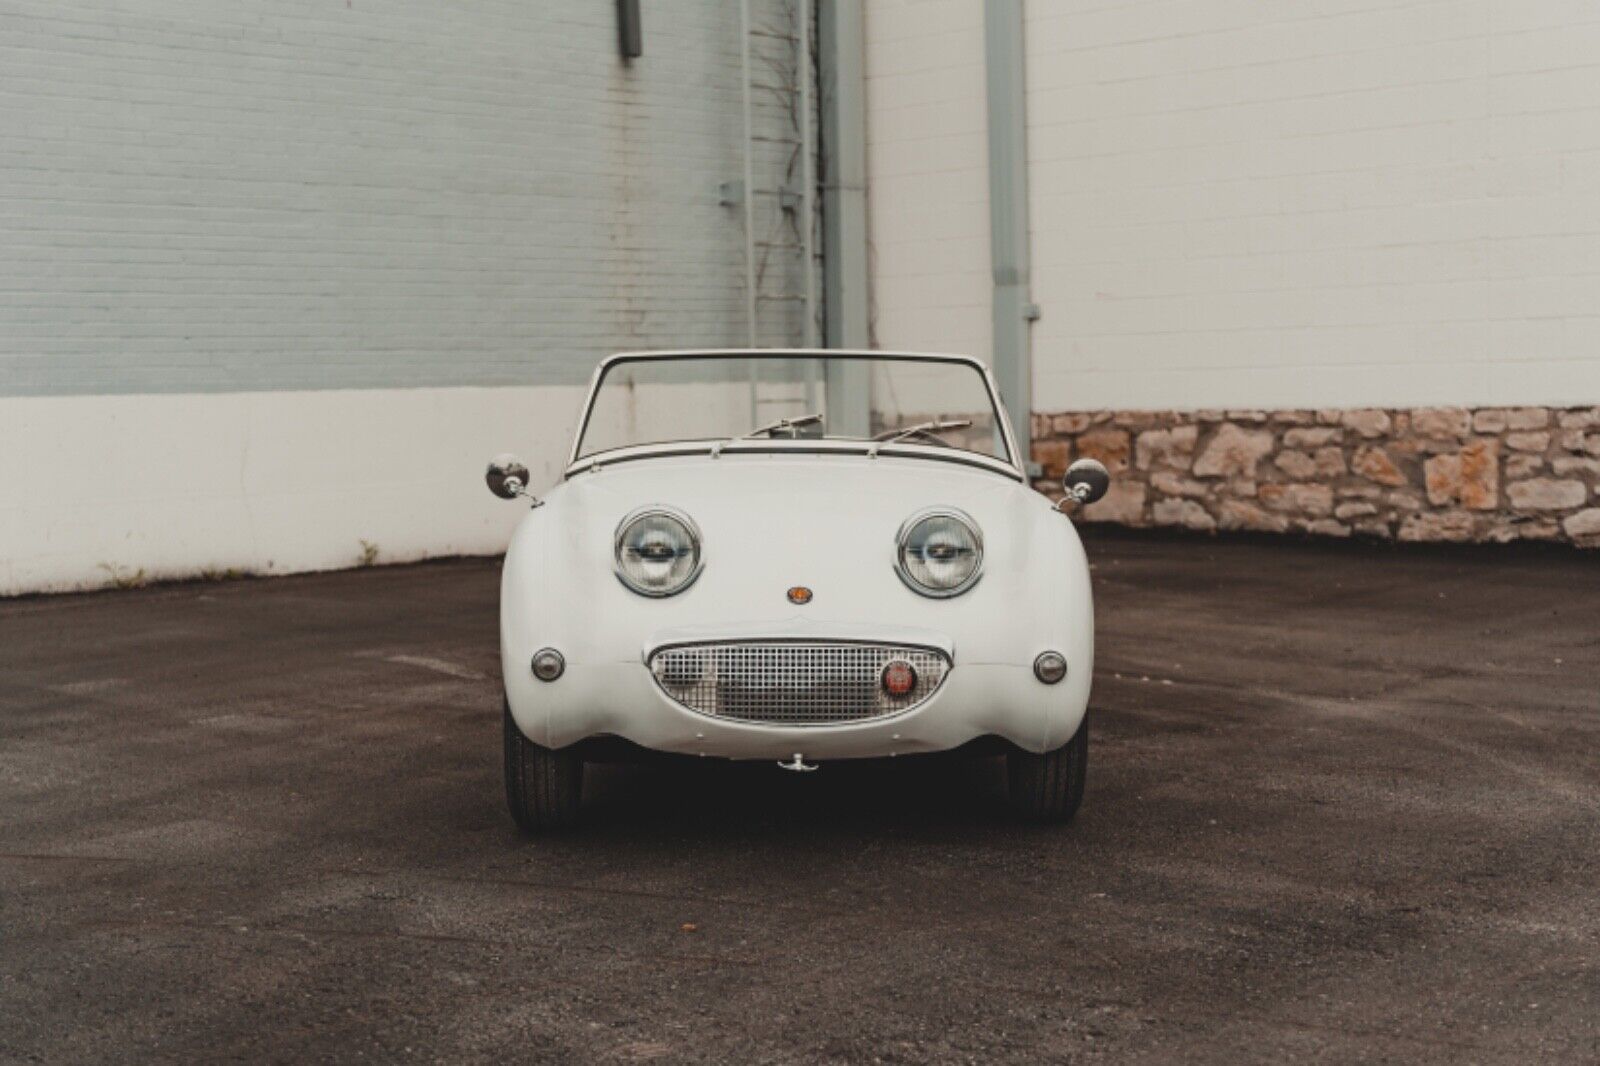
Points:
[[798, 764]]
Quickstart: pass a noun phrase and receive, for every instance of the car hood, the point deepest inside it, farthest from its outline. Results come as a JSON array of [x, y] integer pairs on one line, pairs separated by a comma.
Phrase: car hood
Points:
[[771, 522]]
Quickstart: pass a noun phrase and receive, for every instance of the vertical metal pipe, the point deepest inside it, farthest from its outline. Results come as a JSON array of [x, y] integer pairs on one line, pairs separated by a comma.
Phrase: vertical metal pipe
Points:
[[808, 175], [845, 306], [749, 185], [1003, 22], [840, 33]]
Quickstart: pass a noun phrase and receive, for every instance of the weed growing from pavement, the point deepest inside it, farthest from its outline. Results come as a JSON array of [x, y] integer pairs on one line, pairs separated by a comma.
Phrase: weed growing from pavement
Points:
[[124, 579], [215, 573]]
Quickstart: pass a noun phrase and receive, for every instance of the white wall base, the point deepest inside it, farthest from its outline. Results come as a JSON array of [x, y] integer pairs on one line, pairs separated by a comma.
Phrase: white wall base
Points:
[[267, 482]]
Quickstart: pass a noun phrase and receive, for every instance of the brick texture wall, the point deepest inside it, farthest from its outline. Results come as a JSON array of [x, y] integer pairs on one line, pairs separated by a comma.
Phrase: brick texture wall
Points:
[[927, 176], [1258, 205], [1300, 205]]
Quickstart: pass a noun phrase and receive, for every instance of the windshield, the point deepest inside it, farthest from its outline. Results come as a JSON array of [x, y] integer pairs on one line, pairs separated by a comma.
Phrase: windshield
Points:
[[733, 398]]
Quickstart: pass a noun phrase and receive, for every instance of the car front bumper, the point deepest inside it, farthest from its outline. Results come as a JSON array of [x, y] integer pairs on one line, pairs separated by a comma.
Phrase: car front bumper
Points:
[[976, 699]]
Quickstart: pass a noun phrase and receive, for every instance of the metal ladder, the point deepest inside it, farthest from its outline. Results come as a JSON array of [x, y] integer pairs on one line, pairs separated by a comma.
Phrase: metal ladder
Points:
[[778, 192]]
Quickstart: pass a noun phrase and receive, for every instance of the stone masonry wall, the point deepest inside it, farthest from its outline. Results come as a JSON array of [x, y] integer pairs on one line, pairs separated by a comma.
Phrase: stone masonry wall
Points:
[[1426, 474]]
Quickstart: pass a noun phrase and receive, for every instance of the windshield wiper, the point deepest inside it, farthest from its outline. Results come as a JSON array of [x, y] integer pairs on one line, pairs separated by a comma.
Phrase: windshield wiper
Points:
[[771, 427], [784, 423], [922, 429]]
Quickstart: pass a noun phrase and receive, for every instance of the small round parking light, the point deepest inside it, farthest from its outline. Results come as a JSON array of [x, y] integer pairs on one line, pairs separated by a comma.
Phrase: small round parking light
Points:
[[548, 664], [1050, 667], [899, 678]]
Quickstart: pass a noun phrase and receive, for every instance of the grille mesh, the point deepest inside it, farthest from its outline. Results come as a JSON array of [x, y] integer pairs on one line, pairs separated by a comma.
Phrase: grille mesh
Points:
[[793, 682]]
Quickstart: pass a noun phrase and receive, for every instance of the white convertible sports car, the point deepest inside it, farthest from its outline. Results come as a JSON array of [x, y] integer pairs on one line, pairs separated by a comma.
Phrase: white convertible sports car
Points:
[[796, 556]]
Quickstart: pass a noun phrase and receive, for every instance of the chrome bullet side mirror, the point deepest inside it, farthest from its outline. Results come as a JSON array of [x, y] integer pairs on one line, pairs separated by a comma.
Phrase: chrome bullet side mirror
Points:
[[1086, 481], [507, 478]]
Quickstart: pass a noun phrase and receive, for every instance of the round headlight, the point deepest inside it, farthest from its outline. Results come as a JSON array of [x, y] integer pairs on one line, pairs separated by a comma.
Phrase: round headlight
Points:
[[658, 551], [939, 553]]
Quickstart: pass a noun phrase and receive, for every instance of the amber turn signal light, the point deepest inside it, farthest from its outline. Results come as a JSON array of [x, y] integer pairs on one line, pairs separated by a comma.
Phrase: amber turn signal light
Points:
[[1050, 667], [548, 664]]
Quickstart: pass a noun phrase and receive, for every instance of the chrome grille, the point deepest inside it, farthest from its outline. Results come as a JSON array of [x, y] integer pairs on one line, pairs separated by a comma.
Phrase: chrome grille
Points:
[[793, 682]]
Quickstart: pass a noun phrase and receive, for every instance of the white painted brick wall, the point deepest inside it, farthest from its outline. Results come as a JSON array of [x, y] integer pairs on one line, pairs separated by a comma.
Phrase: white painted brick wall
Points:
[[1249, 204], [927, 176]]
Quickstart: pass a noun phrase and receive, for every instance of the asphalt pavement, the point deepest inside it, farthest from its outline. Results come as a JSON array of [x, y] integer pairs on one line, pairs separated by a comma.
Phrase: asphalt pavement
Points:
[[1343, 805]]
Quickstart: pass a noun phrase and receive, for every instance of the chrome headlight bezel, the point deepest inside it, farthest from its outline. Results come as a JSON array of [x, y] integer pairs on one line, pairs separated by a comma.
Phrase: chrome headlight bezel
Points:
[[902, 539], [656, 510]]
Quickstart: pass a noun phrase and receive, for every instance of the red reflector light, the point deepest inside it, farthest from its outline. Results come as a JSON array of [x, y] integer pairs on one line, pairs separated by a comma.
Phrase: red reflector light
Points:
[[899, 678]]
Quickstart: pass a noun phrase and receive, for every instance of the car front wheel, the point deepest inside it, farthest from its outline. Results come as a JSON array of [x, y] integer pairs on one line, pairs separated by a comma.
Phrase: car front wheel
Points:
[[543, 785], [1049, 787]]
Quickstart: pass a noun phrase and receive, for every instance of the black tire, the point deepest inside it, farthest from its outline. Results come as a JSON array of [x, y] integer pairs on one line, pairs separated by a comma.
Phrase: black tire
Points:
[[1049, 787], [543, 786]]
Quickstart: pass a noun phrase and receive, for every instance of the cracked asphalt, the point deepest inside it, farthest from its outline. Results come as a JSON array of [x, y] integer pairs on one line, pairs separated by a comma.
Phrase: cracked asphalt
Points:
[[1343, 805]]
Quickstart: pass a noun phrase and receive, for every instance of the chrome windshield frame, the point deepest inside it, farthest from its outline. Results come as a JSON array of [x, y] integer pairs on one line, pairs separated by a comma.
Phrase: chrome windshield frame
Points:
[[1011, 464]]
